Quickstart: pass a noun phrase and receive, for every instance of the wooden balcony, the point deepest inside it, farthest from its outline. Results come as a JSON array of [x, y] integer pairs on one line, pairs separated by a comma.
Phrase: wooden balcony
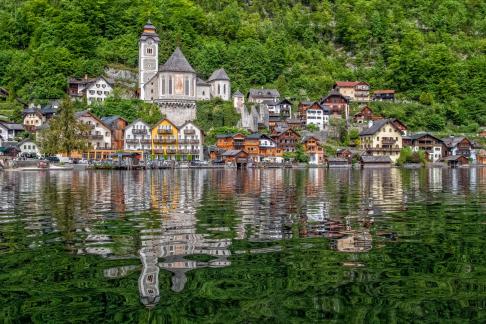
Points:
[[388, 141], [131, 141], [139, 131], [164, 131], [171, 151], [189, 131], [96, 136], [146, 141]]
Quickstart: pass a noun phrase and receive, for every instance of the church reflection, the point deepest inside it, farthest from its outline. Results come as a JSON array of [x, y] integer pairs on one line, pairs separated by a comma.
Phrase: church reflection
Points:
[[183, 220]]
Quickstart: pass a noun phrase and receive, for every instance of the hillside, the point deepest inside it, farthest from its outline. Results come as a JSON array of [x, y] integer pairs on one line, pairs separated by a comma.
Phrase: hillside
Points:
[[432, 51]]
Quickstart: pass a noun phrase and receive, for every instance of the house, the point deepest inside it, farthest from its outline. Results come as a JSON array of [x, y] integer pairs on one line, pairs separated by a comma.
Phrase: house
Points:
[[455, 161], [261, 147], [313, 148], [99, 135], [344, 153], [385, 94], [235, 156], [294, 123], [36, 116], [117, 126], [238, 101], [337, 104], [353, 90], [481, 157], [215, 153], [137, 136], [190, 141], [28, 148], [260, 95], [434, 148], [365, 114], [316, 114], [459, 145], [368, 161], [337, 162], [9, 148], [164, 140], [230, 141], [382, 138], [286, 140], [93, 89], [9, 131]]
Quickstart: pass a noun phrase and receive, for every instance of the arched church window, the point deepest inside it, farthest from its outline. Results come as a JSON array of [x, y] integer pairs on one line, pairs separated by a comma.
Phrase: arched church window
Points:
[[163, 86], [219, 89], [186, 86], [224, 88], [170, 85]]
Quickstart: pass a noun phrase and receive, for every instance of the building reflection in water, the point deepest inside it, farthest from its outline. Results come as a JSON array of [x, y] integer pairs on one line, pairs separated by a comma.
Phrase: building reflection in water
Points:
[[163, 211]]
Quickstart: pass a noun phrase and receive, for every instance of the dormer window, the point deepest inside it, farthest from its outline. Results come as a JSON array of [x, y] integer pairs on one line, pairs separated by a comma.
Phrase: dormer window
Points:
[[149, 51]]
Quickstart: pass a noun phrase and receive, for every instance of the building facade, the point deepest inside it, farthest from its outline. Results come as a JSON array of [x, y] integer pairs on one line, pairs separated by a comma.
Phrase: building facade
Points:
[[138, 136], [382, 138], [174, 85], [117, 126], [99, 135], [353, 90], [433, 147]]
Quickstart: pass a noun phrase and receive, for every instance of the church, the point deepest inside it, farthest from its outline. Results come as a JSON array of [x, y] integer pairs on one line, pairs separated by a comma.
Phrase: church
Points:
[[174, 86]]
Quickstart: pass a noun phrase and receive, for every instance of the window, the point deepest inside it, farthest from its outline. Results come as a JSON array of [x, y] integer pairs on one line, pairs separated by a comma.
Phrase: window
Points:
[[170, 85], [149, 51], [219, 89], [103, 86], [107, 92], [186, 86], [163, 85], [224, 88], [204, 93], [91, 92]]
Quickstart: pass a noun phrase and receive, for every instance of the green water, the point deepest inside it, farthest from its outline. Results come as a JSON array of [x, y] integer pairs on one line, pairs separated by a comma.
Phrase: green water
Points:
[[252, 246]]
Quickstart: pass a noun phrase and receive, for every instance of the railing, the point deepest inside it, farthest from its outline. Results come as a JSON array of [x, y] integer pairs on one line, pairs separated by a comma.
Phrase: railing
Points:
[[383, 149], [159, 151], [188, 141], [146, 141], [139, 131], [194, 152], [189, 131], [183, 151], [131, 141], [158, 141], [170, 151], [164, 131], [388, 140], [96, 136]]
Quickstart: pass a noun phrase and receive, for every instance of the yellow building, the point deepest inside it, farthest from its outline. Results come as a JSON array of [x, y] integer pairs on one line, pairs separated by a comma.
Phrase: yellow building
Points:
[[164, 140], [382, 138]]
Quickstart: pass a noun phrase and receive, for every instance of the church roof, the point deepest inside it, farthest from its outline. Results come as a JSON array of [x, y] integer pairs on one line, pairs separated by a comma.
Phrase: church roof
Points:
[[219, 74], [238, 94], [177, 62]]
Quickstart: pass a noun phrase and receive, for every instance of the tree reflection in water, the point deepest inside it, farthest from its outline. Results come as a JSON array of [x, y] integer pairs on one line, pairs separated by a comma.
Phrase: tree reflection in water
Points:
[[267, 245]]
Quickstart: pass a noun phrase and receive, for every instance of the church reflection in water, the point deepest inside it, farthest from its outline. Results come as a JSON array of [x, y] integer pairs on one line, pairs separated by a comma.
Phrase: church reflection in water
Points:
[[183, 220]]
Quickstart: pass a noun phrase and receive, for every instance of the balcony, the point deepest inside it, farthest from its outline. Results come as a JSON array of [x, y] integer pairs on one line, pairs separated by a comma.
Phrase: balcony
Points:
[[189, 131], [168, 141], [164, 131], [183, 151], [139, 131], [96, 136], [171, 151], [383, 149], [158, 151], [158, 141], [388, 141], [131, 141], [195, 152], [146, 141]]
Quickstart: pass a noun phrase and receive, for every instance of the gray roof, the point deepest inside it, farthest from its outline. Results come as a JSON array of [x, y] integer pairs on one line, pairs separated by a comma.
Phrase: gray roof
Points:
[[269, 102], [232, 152], [375, 159], [264, 93], [337, 159], [451, 158], [145, 35], [219, 74], [238, 94], [177, 62], [452, 141], [377, 125], [12, 126], [420, 135], [109, 120], [201, 82]]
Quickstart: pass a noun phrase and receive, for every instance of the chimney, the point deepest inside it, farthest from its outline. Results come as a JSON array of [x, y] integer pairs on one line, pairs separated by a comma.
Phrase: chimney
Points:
[[370, 123]]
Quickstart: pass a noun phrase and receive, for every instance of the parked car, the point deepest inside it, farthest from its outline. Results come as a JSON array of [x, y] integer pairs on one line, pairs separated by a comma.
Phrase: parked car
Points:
[[53, 159]]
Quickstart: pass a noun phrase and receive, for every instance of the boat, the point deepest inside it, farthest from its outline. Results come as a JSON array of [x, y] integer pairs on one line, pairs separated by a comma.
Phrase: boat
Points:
[[45, 166]]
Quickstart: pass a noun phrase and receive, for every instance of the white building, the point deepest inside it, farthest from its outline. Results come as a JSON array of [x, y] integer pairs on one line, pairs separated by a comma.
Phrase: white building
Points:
[[28, 147], [317, 115], [238, 101], [191, 139], [174, 86], [94, 90], [260, 95], [100, 134], [9, 131], [138, 136]]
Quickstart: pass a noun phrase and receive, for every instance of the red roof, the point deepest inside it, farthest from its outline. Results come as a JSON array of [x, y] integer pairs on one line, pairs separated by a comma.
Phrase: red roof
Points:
[[385, 91], [348, 83]]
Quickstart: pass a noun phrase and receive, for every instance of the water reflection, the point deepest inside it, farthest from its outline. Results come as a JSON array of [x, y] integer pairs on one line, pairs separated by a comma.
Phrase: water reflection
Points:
[[186, 220]]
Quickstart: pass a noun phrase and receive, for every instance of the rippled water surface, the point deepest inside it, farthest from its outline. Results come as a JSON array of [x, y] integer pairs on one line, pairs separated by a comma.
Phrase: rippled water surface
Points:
[[243, 246]]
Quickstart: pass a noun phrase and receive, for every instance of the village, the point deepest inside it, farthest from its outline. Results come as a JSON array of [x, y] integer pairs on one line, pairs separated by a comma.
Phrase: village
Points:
[[275, 131]]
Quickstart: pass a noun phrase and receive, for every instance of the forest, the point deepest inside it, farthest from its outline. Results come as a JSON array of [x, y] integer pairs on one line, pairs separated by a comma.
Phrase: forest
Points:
[[431, 52]]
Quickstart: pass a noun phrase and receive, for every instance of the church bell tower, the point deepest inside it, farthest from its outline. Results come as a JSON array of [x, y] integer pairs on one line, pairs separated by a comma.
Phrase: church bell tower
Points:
[[148, 57]]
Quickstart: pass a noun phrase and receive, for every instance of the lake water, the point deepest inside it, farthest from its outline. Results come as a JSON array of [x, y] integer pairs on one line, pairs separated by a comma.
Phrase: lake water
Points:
[[381, 245]]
